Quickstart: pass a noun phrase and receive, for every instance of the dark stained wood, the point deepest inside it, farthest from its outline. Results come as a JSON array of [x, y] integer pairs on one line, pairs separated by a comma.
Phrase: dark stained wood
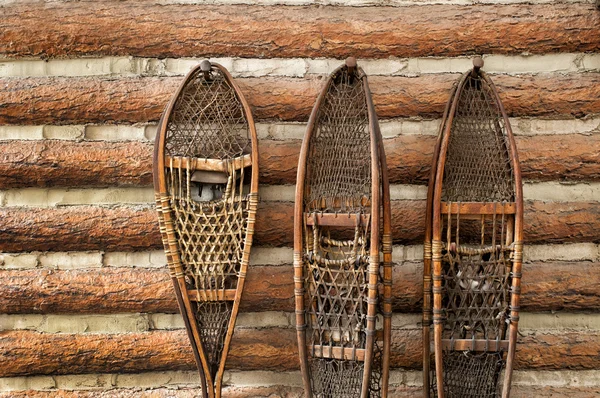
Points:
[[336, 220]]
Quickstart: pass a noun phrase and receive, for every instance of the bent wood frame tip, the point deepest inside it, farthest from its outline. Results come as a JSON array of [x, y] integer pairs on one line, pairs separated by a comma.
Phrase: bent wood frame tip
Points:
[[210, 388]]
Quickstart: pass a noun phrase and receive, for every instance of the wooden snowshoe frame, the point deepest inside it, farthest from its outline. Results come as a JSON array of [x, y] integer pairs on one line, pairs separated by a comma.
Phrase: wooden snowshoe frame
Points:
[[206, 185], [473, 246], [342, 221]]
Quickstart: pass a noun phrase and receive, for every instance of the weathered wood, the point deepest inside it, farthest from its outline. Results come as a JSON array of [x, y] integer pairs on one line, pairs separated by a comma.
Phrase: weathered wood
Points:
[[575, 286], [254, 31], [81, 228], [208, 164], [28, 353], [477, 208], [76, 164], [162, 392], [60, 100], [570, 157], [517, 391], [127, 290], [36, 353], [476, 345]]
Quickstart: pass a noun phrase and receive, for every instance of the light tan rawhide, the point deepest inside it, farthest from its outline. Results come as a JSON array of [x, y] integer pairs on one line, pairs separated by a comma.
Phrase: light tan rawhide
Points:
[[206, 185], [342, 224]]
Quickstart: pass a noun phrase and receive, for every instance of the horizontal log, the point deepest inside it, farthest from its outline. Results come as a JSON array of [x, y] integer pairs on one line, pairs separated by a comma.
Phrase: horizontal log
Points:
[[81, 228], [138, 100], [570, 157], [28, 353], [64, 163], [561, 222], [36, 353], [41, 30], [575, 286], [86, 227], [176, 392], [517, 391], [520, 391], [543, 158]]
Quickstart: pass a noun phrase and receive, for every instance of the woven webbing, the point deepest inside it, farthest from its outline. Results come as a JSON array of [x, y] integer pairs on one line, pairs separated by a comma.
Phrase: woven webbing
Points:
[[210, 235], [336, 378], [207, 120], [476, 283], [213, 319], [338, 174], [476, 279], [337, 286], [477, 167], [470, 375], [375, 386], [333, 378]]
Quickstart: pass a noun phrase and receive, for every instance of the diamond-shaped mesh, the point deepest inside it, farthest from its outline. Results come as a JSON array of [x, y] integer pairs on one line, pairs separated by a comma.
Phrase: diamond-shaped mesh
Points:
[[207, 120], [470, 375], [338, 175], [213, 319], [476, 278], [477, 167], [343, 379], [210, 235], [336, 378], [337, 286]]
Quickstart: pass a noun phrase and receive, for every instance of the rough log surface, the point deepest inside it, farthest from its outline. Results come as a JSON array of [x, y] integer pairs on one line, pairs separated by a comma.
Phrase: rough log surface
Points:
[[91, 28], [80, 228], [574, 286], [60, 100], [86, 227], [252, 349], [517, 391], [36, 353], [53, 163]]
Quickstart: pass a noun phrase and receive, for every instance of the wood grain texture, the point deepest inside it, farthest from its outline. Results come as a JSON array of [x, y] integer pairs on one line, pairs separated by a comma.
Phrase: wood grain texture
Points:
[[179, 392], [106, 28], [27, 353], [517, 391], [36, 353], [53, 163], [81, 228], [60, 100], [575, 286]]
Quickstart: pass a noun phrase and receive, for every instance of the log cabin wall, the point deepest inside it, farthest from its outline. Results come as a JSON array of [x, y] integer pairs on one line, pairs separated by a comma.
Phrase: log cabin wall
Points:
[[86, 305]]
